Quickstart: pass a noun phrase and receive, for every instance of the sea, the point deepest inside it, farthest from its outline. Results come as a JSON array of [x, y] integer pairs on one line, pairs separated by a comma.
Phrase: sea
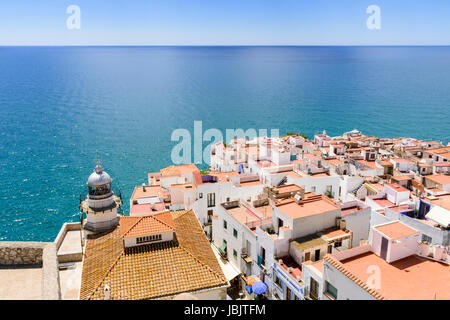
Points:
[[62, 108]]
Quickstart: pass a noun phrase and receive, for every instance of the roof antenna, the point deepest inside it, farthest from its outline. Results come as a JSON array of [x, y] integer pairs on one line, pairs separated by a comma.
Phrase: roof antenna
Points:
[[98, 167]]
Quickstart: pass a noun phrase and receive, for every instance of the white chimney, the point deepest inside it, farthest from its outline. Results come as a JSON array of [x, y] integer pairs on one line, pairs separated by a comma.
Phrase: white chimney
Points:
[[107, 292]]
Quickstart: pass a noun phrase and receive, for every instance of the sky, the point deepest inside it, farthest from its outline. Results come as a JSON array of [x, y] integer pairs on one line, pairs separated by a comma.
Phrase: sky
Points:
[[226, 22]]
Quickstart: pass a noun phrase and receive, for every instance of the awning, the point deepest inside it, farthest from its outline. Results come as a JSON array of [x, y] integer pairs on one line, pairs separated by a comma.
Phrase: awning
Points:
[[439, 215], [247, 259], [228, 269]]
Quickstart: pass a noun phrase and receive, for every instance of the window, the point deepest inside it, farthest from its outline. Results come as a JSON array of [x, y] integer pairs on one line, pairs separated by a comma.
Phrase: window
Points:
[[263, 256], [313, 289], [426, 238], [330, 290], [224, 224], [280, 223], [278, 281], [330, 248], [154, 237], [200, 195], [317, 255], [288, 293], [338, 244], [235, 233], [210, 214], [313, 189], [307, 256], [234, 253], [211, 199], [224, 247], [228, 199]]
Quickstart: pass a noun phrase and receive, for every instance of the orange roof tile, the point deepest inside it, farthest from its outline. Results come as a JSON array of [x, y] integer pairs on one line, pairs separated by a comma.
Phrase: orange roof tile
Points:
[[153, 270], [152, 223]]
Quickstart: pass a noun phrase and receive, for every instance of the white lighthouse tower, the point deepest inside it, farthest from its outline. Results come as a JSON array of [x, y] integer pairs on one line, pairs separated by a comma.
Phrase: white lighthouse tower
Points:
[[100, 204]]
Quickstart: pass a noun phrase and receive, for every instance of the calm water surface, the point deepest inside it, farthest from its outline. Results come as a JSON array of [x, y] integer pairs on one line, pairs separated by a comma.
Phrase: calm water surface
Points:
[[61, 106]]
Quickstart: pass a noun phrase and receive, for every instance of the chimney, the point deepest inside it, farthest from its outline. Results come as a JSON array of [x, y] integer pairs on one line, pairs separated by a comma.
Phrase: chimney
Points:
[[107, 292], [298, 198]]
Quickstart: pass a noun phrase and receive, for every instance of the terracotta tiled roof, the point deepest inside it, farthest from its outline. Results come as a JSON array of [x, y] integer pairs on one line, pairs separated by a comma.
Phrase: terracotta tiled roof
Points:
[[154, 270], [340, 267], [100, 254], [151, 223]]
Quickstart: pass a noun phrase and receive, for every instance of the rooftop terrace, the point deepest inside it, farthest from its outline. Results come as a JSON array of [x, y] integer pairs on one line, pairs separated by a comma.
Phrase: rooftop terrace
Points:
[[409, 278]]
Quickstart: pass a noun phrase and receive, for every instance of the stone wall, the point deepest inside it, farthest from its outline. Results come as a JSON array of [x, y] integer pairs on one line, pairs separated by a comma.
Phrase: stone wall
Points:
[[19, 253], [16, 253]]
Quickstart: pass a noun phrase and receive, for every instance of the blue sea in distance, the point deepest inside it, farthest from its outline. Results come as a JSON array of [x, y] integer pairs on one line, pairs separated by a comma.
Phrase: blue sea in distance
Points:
[[60, 107]]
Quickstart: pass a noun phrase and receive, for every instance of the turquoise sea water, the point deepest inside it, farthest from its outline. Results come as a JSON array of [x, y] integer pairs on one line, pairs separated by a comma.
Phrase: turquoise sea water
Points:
[[61, 106]]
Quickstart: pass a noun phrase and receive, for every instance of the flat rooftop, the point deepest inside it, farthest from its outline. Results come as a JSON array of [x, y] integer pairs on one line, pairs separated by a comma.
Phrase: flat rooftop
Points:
[[265, 211], [288, 262], [242, 214], [148, 191], [21, 282], [251, 183], [350, 210], [396, 230], [70, 281], [440, 200], [287, 188], [411, 278], [311, 205], [71, 243], [384, 203], [396, 187]]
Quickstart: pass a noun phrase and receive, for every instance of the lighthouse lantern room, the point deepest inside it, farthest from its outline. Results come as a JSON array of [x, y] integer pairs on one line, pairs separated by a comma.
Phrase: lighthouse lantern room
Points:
[[100, 204]]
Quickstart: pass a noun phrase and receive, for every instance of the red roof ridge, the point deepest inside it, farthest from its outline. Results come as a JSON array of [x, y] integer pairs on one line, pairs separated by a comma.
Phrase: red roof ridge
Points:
[[151, 215], [102, 280], [340, 267]]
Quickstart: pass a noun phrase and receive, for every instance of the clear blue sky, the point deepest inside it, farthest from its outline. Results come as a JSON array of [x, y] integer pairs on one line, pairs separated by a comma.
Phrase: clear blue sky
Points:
[[225, 22]]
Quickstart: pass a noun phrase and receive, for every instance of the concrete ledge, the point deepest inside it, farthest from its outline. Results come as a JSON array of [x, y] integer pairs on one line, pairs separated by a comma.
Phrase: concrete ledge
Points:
[[68, 226], [66, 249], [50, 274]]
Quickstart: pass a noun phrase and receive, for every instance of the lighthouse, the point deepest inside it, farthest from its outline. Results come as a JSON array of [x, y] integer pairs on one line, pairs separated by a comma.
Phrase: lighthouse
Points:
[[101, 204]]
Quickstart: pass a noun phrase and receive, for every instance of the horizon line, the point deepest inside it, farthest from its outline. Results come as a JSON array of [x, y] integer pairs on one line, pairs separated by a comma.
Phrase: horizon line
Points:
[[227, 45]]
